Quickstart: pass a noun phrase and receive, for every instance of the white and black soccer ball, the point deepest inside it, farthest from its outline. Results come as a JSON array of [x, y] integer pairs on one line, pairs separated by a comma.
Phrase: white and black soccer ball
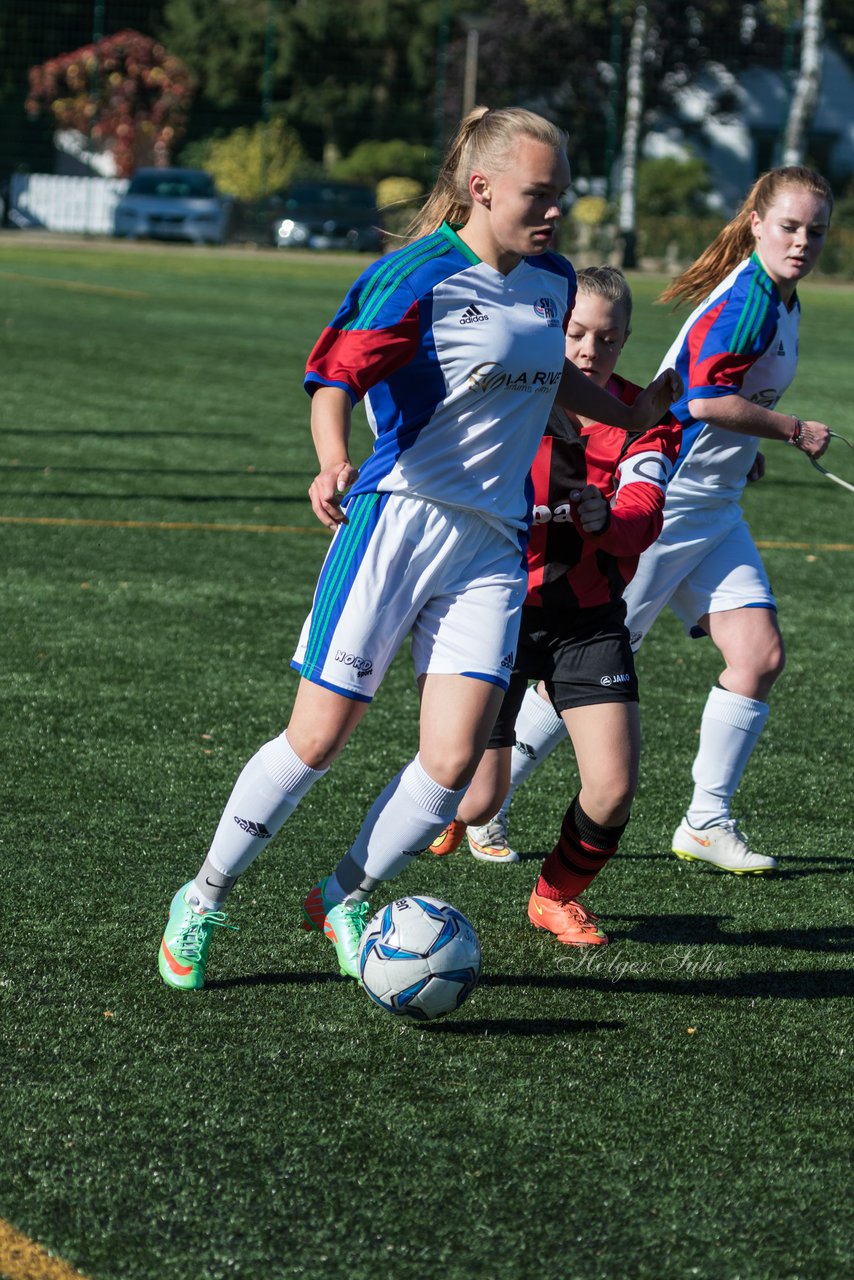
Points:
[[419, 958]]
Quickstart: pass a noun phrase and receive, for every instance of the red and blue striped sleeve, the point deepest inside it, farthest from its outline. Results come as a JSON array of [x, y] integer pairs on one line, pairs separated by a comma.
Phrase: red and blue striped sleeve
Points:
[[730, 335]]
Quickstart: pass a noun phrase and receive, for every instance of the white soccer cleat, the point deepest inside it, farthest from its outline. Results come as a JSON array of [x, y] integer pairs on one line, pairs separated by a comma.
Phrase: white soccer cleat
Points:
[[722, 846], [489, 842]]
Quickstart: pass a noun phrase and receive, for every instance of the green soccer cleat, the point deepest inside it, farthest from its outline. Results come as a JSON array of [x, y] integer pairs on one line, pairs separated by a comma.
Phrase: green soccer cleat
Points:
[[343, 923], [186, 942]]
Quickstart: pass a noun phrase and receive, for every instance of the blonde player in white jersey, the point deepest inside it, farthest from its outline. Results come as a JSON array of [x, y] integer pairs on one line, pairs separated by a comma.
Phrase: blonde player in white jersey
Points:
[[737, 354], [456, 343]]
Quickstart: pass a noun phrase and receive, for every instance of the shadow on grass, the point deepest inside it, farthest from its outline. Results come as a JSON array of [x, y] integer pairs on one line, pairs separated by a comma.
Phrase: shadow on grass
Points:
[[794, 869], [49, 468], [292, 979], [520, 1026], [123, 433], [680, 977], [101, 496], [709, 930], [627, 980]]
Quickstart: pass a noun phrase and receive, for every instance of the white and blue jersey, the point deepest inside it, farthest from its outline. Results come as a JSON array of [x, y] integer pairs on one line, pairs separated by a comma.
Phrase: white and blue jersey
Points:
[[458, 366], [742, 340]]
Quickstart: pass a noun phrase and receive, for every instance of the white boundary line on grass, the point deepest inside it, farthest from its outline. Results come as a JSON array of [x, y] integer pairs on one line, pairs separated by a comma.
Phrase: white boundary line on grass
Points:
[[74, 522], [76, 286]]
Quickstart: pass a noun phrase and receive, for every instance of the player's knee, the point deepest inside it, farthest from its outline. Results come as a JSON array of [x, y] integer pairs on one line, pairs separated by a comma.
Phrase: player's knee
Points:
[[767, 661], [453, 768], [318, 748], [609, 804]]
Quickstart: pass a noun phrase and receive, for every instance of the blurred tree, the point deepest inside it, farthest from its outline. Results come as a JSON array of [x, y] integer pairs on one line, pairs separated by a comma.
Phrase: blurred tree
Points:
[[666, 186], [807, 85], [339, 73], [126, 94], [250, 162], [557, 56], [372, 161], [34, 31]]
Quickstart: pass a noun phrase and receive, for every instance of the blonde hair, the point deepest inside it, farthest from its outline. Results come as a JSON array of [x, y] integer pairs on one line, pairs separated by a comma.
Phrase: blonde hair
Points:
[[483, 139], [610, 283], [736, 241]]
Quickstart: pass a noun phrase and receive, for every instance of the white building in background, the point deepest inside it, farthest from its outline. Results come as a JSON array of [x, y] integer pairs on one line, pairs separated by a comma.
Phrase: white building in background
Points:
[[735, 122]]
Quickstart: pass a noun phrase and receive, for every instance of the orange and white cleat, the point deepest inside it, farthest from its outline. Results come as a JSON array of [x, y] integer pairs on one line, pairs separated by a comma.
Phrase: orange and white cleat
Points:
[[570, 922], [489, 843], [449, 840]]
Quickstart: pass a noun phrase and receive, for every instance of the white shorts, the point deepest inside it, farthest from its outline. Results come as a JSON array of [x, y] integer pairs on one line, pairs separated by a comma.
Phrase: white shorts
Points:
[[404, 566], [704, 561]]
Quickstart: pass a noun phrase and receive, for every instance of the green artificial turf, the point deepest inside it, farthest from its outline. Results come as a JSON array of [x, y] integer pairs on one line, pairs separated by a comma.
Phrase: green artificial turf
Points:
[[674, 1106]]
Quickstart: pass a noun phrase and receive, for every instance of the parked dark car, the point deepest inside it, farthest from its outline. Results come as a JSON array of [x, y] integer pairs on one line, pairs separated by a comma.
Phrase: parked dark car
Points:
[[328, 215], [173, 204]]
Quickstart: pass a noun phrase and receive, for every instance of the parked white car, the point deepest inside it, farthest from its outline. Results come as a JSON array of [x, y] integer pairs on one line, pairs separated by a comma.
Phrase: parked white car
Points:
[[173, 204]]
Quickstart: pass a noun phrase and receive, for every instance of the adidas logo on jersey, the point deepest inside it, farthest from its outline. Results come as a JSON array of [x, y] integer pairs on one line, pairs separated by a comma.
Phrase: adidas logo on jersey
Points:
[[781, 350], [256, 829], [507, 661], [473, 315]]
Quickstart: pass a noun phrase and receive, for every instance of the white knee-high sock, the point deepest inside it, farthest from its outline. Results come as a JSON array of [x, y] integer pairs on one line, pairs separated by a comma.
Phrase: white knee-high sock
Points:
[[539, 729], [729, 731], [264, 796], [400, 824]]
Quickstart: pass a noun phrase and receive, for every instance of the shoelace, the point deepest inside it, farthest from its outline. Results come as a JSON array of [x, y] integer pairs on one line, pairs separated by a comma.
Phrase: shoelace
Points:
[[494, 833], [731, 826], [581, 914], [191, 936]]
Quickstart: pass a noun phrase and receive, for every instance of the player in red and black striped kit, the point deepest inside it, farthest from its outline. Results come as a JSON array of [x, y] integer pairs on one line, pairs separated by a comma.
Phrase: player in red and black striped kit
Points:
[[598, 503]]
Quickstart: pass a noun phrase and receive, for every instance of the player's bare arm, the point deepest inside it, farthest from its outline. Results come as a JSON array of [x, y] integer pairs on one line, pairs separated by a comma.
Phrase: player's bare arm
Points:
[[331, 417], [734, 413], [580, 395]]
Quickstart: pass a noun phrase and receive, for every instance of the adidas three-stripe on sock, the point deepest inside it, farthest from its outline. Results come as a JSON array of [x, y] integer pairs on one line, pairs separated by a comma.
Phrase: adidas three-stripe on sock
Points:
[[264, 796]]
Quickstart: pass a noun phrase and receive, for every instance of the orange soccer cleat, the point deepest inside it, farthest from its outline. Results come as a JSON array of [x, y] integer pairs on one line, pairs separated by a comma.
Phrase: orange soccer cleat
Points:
[[449, 840], [570, 922]]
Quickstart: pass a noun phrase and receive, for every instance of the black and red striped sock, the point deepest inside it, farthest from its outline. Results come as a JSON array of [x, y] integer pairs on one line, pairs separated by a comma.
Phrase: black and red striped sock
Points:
[[583, 849]]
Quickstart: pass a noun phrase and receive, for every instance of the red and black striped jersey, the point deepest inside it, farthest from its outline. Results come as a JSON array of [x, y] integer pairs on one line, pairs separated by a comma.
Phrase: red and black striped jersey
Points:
[[567, 568]]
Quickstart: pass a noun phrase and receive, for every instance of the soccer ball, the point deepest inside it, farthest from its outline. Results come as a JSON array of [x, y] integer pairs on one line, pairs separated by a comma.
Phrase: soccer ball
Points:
[[419, 958]]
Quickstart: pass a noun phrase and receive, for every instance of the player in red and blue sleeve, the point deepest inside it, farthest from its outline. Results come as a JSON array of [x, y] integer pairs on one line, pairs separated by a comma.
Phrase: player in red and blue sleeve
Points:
[[599, 501]]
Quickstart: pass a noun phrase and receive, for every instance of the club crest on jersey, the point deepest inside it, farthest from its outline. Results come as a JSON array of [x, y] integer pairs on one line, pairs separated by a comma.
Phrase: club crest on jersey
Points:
[[546, 309], [473, 315]]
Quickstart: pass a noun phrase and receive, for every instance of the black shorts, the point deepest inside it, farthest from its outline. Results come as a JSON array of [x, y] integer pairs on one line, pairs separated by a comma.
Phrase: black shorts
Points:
[[582, 664]]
